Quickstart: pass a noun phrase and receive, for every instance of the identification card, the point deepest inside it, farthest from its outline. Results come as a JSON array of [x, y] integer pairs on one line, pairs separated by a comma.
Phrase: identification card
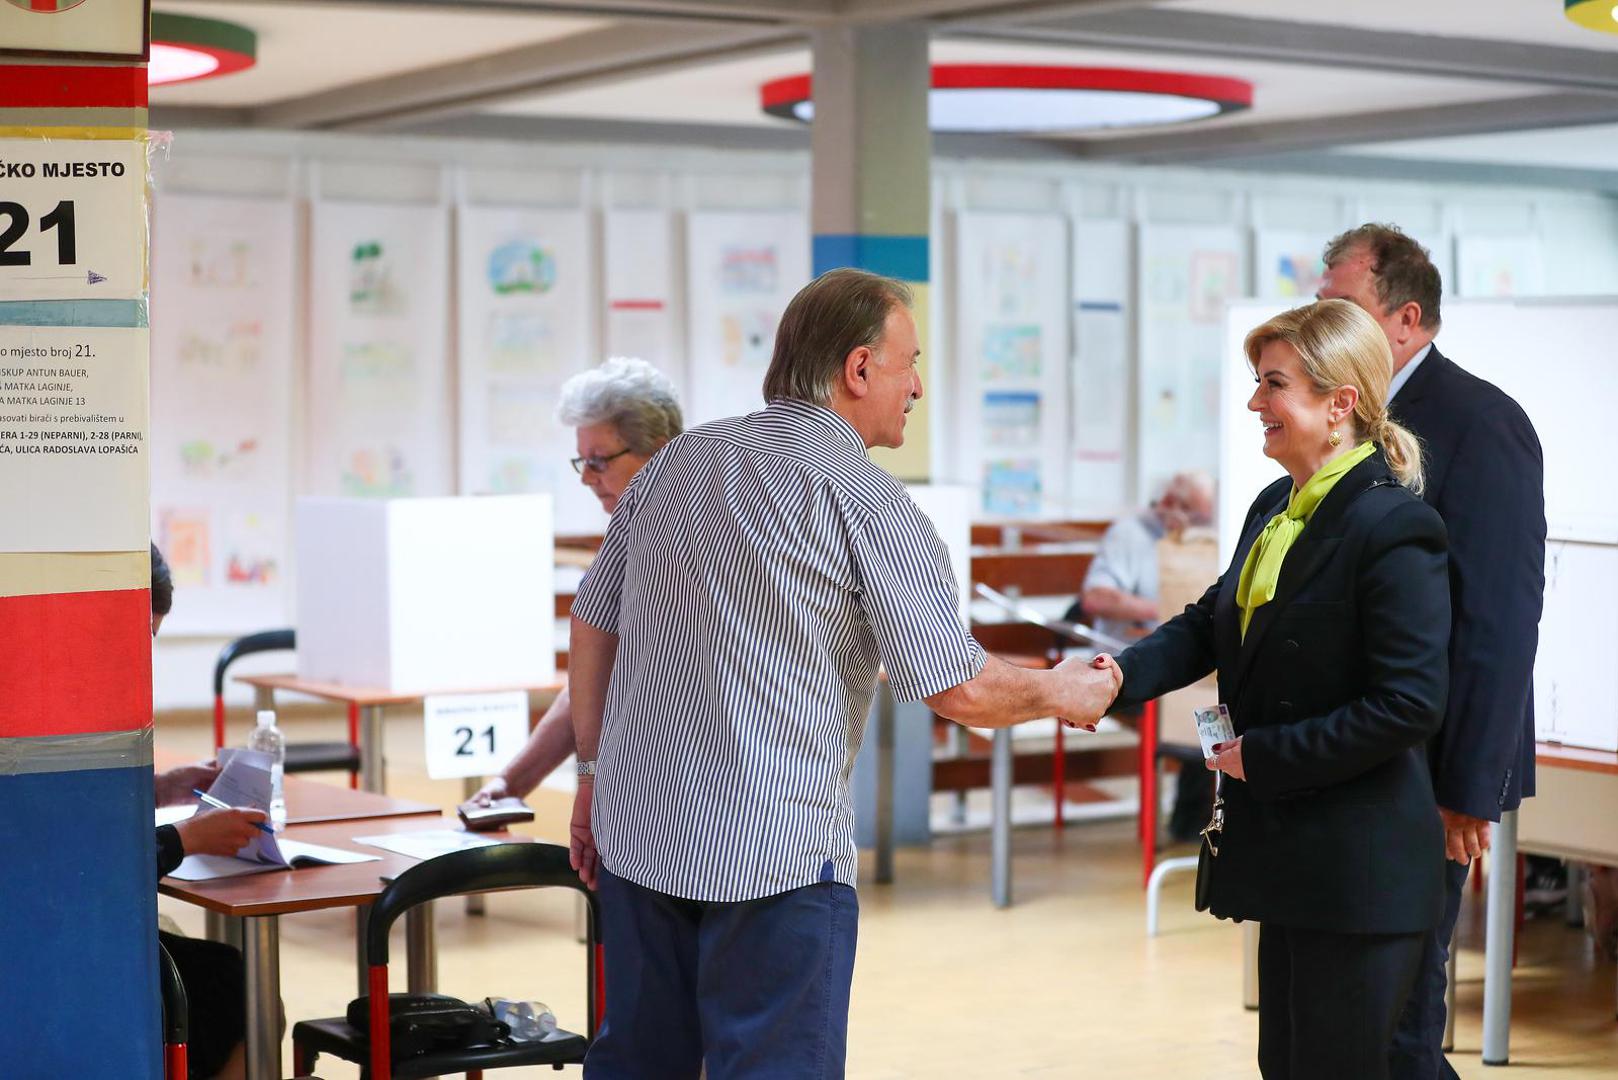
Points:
[[1213, 727]]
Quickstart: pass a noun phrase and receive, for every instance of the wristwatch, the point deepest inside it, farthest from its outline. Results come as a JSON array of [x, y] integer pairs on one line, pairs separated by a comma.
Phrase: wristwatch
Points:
[[587, 768]]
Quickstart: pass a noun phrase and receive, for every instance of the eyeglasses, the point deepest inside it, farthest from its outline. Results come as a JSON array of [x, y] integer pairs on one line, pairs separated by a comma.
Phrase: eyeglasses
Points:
[[596, 464]]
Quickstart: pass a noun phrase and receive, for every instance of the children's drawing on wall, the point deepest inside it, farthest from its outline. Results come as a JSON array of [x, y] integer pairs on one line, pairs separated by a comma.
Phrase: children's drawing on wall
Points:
[[221, 261], [1215, 279], [184, 539], [205, 459], [521, 343], [1011, 418], [749, 269], [372, 288], [748, 337], [248, 541], [377, 471], [1297, 274], [1011, 486], [378, 373], [520, 267], [236, 347], [1011, 352]]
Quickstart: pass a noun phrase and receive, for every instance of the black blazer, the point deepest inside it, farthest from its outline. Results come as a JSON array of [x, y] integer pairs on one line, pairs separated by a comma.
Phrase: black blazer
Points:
[[1486, 479], [1338, 686]]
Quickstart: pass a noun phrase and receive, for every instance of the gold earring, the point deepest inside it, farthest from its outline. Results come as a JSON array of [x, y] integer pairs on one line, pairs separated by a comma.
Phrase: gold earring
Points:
[[1335, 439]]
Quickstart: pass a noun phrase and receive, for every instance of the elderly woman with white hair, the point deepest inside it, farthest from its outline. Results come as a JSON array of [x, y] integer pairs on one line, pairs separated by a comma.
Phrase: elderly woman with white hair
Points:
[[622, 413]]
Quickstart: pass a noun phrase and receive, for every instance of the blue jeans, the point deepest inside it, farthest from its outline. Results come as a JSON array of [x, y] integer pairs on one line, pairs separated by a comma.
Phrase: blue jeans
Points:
[[757, 989], [1417, 1051]]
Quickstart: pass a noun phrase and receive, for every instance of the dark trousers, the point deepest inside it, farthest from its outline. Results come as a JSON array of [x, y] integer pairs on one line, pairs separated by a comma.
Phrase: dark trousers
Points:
[[1417, 1052], [757, 989], [1328, 1002]]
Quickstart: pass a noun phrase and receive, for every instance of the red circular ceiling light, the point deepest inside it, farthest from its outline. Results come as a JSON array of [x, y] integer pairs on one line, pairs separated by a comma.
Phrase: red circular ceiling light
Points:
[[189, 47], [1036, 98]]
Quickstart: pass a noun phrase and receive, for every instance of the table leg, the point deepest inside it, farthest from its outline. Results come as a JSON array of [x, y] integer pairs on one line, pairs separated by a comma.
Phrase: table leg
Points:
[[261, 956], [223, 929], [1000, 826], [1500, 930], [885, 780], [373, 761], [1573, 911], [362, 952], [421, 949], [474, 901], [1249, 965]]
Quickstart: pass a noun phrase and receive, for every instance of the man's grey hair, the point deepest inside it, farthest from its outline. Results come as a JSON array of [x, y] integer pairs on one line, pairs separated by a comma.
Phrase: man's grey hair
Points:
[[830, 317], [631, 395]]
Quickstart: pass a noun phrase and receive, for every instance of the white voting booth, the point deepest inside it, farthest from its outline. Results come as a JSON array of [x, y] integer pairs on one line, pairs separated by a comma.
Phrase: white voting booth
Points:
[[1555, 358], [426, 595]]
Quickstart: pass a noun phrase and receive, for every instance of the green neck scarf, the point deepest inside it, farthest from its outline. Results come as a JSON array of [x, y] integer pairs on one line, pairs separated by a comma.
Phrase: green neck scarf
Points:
[[1261, 573]]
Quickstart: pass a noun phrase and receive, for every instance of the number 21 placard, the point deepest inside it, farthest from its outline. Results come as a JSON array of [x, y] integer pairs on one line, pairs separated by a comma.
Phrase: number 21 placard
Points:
[[474, 734], [72, 219]]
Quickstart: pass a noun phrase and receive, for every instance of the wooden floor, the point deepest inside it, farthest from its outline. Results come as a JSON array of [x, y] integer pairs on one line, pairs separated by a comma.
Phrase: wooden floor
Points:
[[1064, 984]]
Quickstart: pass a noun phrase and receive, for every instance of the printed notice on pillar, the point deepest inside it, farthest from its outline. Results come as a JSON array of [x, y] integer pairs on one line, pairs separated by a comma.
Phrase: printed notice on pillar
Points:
[[72, 219], [73, 438]]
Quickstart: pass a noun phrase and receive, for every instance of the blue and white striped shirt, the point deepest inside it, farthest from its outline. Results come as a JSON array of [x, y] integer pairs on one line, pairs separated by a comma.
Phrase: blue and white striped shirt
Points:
[[755, 571]]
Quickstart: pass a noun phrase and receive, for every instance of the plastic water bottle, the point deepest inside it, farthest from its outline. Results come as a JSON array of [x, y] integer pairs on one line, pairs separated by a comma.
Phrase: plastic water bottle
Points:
[[268, 738], [530, 1021]]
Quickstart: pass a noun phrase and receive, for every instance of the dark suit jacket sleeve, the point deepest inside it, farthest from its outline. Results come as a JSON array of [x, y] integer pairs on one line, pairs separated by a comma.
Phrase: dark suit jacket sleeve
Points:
[[1403, 595], [1176, 654], [170, 852], [1494, 503]]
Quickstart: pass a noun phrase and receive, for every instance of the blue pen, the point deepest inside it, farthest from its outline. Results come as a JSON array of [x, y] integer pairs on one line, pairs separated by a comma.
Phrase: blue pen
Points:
[[223, 805]]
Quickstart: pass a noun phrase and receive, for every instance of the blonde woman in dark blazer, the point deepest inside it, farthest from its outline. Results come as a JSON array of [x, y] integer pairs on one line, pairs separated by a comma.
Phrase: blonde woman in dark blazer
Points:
[[1330, 634]]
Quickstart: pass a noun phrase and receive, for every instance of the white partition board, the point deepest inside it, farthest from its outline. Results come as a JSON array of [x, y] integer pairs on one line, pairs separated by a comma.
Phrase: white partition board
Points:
[[743, 268], [1187, 276], [639, 275], [421, 595], [380, 414], [1012, 356], [222, 386], [524, 297], [1100, 380], [950, 507]]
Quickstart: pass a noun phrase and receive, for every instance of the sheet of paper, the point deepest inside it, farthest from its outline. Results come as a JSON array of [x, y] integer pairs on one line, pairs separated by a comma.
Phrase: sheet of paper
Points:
[[321, 854], [244, 779], [426, 845], [173, 815], [209, 867]]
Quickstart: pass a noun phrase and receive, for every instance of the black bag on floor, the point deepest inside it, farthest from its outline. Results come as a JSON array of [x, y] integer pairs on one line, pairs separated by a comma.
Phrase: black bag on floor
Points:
[[423, 1023]]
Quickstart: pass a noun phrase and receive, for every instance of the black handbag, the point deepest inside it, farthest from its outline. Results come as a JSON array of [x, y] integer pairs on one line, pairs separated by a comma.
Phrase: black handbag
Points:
[[425, 1023], [1209, 852]]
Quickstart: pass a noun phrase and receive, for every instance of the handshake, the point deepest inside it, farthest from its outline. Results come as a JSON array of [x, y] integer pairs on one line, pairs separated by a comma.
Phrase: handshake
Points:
[[1088, 690]]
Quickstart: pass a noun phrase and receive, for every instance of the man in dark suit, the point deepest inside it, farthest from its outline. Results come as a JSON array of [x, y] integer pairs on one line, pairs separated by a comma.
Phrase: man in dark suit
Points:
[[1485, 477]]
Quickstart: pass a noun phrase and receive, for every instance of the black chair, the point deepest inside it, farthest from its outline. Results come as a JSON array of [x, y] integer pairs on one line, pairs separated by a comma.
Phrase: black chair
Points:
[[503, 866], [175, 1020], [301, 757]]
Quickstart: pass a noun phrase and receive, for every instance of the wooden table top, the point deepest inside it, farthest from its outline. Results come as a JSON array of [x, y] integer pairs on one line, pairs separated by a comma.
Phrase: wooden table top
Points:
[[371, 695], [281, 892], [1576, 757], [311, 802]]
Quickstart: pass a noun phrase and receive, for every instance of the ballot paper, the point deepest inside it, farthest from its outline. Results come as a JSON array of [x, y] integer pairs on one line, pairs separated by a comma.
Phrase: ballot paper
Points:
[[427, 844], [1213, 727]]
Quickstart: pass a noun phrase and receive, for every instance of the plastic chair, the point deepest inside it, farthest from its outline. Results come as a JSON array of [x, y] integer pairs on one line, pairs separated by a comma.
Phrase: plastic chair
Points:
[[301, 757], [175, 1020], [503, 866]]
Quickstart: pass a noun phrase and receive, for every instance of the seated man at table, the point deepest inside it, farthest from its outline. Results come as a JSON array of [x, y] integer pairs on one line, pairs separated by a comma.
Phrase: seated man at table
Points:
[[1119, 598], [622, 413], [212, 973]]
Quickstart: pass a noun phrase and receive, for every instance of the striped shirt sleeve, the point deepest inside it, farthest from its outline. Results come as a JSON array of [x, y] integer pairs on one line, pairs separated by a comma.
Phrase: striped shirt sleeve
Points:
[[907, 589], [601, 590]]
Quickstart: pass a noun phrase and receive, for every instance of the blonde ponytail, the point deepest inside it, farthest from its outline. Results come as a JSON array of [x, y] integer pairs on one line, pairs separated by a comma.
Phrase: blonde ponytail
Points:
[[1403, 451]]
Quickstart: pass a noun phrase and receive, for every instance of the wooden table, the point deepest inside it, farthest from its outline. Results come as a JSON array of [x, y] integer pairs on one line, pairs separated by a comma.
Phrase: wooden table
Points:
[[369, 702], [252, 905]]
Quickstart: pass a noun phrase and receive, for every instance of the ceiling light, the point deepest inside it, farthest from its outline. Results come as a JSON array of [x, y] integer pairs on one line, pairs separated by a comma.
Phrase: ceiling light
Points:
[[1027, 98], [1593, 14], [186, 48]]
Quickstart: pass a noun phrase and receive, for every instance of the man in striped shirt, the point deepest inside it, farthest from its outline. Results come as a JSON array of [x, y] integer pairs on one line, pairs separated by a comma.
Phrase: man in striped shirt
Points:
[[724, 653]]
